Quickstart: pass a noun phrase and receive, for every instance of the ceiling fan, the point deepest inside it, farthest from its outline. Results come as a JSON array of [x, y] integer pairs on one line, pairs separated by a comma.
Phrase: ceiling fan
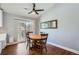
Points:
[[35, 10]]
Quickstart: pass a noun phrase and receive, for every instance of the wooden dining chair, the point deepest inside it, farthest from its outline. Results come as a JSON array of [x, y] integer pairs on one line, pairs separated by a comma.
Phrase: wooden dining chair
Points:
[[42, 43], [28, 39]]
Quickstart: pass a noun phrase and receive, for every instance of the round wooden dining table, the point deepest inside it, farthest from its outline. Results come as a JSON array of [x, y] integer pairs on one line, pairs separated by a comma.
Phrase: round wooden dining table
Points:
[[37, 37]]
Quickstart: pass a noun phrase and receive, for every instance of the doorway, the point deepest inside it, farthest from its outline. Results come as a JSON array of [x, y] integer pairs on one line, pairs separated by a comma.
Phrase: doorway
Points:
[[22, 27]]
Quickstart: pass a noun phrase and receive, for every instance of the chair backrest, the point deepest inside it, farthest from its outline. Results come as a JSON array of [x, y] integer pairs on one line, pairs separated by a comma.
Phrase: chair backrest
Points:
[[28, 33], [45, 35], [45, 39]]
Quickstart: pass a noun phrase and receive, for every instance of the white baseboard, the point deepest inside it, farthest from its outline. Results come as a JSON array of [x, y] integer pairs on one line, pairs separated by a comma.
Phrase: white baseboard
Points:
[[14, 43], [66, 48]]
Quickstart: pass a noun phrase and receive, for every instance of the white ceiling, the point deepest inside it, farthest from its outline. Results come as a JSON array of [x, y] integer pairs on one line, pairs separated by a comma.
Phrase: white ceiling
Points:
[[18, 8]]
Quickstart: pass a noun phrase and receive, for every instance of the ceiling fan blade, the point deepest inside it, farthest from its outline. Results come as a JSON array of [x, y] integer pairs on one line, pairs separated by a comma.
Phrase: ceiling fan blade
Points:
[[40, 10], [30, 12], [36, 12], [33, 5]]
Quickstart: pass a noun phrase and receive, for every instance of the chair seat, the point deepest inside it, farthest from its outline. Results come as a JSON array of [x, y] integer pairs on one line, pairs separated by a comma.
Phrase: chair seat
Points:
[[40, 43]]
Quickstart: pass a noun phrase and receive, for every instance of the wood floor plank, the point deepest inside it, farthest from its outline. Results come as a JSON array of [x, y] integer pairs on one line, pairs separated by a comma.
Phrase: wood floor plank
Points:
[[20, 49]]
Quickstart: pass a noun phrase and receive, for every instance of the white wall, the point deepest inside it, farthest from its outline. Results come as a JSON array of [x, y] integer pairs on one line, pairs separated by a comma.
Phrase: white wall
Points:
[[9, 25], [1, 18], [67, 33]]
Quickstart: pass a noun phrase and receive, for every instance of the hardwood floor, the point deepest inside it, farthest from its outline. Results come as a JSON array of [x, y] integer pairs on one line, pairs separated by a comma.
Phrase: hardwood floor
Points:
[[20, 49]]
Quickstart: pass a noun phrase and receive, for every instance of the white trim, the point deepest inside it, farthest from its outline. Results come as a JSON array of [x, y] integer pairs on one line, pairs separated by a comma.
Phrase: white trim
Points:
[[12, 43], [66, 48], [15, 43]]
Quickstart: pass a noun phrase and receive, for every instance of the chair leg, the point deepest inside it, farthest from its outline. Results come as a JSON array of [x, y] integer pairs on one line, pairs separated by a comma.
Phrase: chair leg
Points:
[[41, 48], [26, 44], [29, 50], [29, 47], [46, 49], [29, 44]]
